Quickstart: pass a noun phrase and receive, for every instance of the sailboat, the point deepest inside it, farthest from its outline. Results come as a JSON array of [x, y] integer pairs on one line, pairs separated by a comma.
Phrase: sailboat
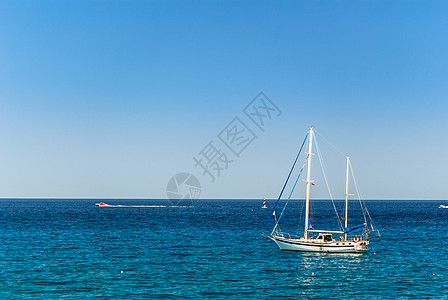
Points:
[[318, 240], [264, 203]]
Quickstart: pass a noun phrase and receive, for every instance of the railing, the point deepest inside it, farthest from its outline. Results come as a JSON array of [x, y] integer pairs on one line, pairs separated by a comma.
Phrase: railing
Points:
[[350, 237], [286, 235]]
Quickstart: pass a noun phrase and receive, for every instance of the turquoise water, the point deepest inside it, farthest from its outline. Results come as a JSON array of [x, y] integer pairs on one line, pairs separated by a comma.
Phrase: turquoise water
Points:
[[72, 249]]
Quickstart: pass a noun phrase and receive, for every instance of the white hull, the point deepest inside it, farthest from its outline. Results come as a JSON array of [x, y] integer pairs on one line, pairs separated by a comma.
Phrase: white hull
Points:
[[312, 245], [443, 206]]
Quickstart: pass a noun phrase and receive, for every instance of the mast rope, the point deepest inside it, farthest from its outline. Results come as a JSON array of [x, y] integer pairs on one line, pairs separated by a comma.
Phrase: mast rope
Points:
[[287, 179], [329, 143], [361, 201], [289, 197], [326, 183], [358, 193]]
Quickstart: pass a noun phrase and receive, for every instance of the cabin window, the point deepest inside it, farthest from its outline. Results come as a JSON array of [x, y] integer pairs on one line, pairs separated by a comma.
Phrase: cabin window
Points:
[[327, 238]]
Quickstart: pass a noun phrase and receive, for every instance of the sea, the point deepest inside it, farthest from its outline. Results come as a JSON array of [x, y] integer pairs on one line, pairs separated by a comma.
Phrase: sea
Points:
[[72, 249]]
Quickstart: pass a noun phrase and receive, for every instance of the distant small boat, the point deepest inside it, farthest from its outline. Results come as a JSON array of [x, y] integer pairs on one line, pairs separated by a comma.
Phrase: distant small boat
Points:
[[101, 204], [443, 206], [264, 204]]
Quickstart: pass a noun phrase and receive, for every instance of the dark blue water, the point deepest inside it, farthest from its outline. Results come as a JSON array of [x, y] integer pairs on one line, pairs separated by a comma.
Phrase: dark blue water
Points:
[[53, 249]]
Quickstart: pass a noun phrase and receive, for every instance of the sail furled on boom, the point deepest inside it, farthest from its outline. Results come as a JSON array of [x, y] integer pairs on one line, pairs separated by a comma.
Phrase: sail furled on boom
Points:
[[349, 229]]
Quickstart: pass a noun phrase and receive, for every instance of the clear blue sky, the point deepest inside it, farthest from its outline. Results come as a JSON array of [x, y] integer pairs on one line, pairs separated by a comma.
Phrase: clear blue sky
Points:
[[112, 98]]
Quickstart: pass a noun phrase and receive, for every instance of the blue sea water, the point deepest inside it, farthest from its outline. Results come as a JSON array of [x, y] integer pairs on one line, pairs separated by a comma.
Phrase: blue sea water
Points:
[[68, 248]]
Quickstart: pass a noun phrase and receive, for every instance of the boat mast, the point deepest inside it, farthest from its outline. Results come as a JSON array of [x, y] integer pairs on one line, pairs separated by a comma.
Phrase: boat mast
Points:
[[308, 184], [346, 197]]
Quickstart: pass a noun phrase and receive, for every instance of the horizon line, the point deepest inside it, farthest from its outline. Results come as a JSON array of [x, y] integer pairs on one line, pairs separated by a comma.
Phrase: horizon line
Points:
[[199, 199]]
